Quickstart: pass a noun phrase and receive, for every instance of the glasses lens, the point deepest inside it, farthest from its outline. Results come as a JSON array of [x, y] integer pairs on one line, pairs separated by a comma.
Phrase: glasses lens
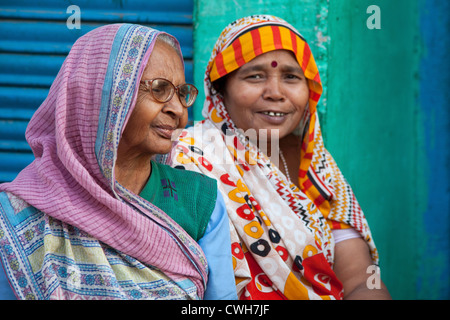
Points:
[[162, 90], [188, 93]]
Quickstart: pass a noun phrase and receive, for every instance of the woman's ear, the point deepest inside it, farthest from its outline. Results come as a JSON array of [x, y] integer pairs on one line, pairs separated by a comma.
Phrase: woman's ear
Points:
[[219, 85]]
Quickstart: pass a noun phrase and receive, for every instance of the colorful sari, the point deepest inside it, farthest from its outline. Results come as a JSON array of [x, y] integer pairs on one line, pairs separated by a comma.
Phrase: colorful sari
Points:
[[68, 230], [282, 242]]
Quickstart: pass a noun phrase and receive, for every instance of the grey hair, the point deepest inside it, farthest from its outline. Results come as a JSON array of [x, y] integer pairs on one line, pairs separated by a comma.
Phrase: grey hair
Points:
[[171, 41]]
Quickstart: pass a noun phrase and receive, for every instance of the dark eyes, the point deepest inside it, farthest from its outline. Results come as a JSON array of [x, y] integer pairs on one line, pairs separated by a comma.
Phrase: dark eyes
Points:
[[255, 76], [293, 77]]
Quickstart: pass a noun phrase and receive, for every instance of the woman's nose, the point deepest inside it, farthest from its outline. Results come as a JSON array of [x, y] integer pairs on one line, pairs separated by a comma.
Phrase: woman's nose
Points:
[[273, 89], [174, 107]]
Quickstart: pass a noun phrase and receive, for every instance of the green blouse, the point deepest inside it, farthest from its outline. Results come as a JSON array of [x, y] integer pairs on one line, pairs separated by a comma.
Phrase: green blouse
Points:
[[187, 197]]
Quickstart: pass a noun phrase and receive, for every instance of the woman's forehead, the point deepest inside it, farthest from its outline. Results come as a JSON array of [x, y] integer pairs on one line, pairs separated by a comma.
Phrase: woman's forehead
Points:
[[164, 62], [277, 59]]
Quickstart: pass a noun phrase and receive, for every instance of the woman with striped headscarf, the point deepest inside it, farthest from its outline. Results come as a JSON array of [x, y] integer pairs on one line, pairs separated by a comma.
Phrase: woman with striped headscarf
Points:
[[297, 229]]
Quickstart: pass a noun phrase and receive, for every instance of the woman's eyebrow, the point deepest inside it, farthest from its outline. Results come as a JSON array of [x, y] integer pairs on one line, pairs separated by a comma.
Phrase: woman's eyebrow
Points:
[[252, 68], [262, 67], [291, 68]]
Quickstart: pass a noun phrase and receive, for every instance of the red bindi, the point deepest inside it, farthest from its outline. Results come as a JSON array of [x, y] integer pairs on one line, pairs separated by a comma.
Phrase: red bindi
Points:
[[274, 64]]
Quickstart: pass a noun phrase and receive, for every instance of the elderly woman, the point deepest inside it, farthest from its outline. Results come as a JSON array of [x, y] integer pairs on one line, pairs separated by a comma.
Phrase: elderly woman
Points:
[[297, 230], [93, 216]]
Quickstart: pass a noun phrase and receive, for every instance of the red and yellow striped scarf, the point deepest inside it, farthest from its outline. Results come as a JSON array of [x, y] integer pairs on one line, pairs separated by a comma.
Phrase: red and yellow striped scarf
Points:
[[263, 36]]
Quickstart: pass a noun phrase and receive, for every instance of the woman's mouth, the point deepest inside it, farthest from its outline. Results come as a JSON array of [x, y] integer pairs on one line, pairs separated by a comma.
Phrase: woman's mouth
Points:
[[165, 131], [274, 114], [273, 117]]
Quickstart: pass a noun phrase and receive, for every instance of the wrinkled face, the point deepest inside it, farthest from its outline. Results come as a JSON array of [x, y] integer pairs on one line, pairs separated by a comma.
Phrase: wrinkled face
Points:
[[269, 92], [150, 127]]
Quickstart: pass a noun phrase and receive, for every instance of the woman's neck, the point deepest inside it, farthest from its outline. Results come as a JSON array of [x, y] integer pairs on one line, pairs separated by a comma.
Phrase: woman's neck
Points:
[[133, 172], [287, 143], [289, 147]]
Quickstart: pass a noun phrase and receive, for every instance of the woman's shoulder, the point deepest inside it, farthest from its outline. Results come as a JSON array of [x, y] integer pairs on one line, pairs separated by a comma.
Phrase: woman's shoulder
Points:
[[182, 175], [14, 208], [190, 185], [193, 194]]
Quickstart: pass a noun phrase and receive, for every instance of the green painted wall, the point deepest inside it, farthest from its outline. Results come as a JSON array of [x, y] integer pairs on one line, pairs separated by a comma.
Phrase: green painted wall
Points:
[[372, 127], [372, 119]]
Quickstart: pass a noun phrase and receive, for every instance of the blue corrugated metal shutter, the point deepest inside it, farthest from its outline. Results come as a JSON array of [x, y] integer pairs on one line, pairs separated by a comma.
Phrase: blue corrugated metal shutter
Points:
[[34, 40]]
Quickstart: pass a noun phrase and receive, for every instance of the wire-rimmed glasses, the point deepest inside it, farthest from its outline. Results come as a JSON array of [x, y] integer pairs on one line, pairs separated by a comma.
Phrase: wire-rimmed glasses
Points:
[[162, 90]]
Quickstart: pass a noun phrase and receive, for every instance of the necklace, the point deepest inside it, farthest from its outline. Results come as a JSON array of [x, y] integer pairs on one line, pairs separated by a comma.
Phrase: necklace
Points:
[[285, 165]]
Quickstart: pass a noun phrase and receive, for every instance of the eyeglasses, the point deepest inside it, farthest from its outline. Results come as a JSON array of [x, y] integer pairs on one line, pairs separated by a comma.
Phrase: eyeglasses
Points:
[[162, 90]]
